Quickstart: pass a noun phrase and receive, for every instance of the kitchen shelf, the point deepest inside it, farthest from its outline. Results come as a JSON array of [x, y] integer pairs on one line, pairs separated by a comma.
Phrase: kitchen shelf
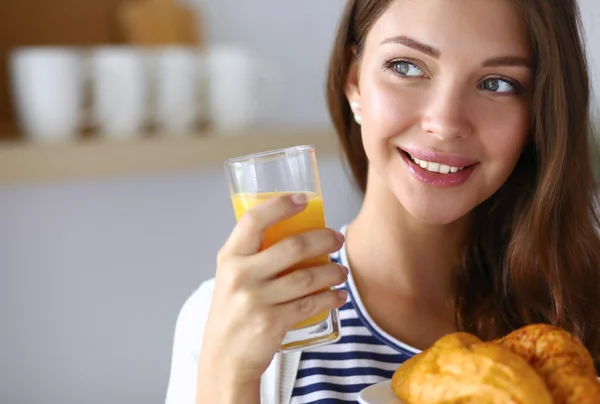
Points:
[[32, 162]]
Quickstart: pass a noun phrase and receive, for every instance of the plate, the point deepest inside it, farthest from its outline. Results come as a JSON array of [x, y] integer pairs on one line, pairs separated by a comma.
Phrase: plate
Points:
[[380, 393]]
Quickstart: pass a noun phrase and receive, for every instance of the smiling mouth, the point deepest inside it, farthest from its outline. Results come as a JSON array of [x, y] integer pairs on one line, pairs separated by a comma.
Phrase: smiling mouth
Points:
[[432, 166]]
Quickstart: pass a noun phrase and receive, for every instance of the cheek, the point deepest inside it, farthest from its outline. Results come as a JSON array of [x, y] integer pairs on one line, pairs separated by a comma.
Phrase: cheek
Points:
[[504, 131], [388, 110]]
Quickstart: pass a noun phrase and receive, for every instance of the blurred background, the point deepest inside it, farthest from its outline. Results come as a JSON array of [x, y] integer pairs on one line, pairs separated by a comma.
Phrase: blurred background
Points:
[[115, 117]]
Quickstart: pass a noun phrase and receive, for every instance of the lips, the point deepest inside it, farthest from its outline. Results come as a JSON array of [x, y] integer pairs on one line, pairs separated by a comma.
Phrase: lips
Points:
[[429, 156], [438, 170]]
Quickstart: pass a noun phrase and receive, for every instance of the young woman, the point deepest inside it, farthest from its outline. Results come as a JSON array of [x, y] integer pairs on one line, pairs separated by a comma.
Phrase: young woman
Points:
[[466, 125]]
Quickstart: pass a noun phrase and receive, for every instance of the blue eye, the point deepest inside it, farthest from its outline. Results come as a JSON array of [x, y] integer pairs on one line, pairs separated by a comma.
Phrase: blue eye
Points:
[[404, 68], [499, 86]]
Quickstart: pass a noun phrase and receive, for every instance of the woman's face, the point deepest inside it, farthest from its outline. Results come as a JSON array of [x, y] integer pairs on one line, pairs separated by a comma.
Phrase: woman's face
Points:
[[443, 87]]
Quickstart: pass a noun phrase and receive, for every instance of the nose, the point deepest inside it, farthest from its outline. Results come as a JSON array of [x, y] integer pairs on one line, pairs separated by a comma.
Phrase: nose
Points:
[[446, 115]]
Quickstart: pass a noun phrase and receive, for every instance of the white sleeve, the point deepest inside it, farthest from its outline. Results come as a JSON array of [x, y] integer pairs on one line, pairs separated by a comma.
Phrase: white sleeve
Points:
[[187, 342]]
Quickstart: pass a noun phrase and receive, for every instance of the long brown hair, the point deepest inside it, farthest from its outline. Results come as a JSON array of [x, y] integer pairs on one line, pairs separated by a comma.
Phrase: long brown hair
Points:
[[534, 253]]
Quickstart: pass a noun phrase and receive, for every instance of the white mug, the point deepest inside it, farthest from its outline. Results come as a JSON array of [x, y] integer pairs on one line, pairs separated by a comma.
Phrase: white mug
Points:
[[47, 85], [120, 88], [179, 98], [242, 88]]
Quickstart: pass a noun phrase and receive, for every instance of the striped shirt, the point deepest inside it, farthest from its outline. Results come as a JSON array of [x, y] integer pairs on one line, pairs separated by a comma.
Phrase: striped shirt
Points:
[[365, 355]]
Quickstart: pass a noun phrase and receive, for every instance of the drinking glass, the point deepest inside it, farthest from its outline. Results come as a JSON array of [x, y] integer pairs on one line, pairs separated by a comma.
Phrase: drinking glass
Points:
[[258, 177]]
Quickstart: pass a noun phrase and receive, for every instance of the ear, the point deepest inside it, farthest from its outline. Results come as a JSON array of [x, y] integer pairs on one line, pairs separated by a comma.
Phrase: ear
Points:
[[352, 89]]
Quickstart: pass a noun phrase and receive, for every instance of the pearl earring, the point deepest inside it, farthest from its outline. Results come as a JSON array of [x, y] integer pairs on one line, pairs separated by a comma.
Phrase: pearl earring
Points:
[[355, 105]]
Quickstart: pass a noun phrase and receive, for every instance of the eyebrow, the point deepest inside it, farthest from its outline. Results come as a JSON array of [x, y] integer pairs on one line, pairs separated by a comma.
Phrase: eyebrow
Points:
[[517, 61], [414, 44]]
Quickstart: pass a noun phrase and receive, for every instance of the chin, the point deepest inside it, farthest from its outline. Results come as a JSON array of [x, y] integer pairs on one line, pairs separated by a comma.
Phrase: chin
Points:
[[430, 210], [436, 216], [439, 206]]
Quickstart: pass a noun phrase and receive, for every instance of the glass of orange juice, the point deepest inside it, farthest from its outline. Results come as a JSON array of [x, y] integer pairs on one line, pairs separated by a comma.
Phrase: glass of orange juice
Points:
[[258, 177]]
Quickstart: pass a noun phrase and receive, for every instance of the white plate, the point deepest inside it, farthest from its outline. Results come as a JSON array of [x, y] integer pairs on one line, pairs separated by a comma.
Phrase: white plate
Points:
[[380, 393]]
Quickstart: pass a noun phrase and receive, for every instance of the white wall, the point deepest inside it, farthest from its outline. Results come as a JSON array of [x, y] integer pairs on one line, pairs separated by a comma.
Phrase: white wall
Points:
[[92, 274], [590, 12]]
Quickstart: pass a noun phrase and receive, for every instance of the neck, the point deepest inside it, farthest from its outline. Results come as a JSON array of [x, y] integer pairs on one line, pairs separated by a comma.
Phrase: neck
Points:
[[390, 248]]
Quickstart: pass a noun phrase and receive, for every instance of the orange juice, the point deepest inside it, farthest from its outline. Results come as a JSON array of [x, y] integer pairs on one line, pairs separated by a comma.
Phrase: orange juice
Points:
[[311, 218]]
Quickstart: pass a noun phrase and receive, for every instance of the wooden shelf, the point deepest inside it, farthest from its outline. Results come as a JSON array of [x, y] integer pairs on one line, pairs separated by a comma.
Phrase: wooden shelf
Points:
[[28, 162]]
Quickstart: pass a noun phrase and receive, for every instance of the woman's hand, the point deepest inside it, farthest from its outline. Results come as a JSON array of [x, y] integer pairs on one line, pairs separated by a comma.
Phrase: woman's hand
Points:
[[253, 308]]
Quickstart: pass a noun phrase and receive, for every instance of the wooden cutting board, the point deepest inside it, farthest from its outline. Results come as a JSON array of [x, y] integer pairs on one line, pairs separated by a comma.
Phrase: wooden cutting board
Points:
[[159, 22]]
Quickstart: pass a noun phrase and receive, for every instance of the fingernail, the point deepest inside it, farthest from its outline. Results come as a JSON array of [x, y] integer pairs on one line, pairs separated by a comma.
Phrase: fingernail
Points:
[[341, 237], [300, 199], [342, 294], [345, 270]]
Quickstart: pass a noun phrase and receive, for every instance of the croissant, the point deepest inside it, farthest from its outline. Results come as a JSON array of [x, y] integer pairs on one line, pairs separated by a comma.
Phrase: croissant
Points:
[[459, 368], [560, 359], [538, 364]]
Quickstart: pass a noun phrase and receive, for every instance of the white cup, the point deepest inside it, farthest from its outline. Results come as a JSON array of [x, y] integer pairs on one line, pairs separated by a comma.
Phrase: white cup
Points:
[[120, 88], [47, 85], [179, 102], [242, 88]]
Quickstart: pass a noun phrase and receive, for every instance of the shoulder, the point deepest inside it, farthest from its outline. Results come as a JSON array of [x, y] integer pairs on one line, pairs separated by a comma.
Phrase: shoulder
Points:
[[193, 315], [187, 342], [200, 298]]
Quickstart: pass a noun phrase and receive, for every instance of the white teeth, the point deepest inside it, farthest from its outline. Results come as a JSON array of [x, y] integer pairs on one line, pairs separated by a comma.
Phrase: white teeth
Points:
[[436, 167]]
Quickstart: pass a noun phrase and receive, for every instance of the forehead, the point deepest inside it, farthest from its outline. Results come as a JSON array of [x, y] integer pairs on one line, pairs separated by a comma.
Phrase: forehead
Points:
[[487, 26]]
